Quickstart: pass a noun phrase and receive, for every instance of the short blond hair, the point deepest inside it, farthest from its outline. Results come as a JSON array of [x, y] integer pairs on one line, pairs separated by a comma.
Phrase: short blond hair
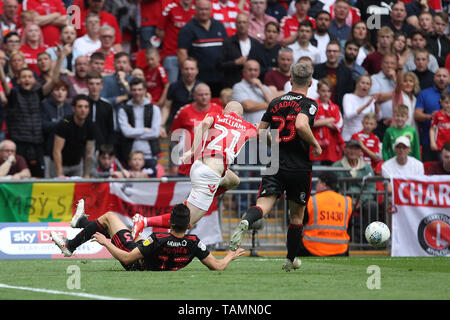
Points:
[[370, 116], [401, 109]]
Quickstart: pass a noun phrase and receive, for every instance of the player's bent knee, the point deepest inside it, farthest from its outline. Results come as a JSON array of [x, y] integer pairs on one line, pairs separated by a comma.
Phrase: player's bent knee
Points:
[[107, 217]]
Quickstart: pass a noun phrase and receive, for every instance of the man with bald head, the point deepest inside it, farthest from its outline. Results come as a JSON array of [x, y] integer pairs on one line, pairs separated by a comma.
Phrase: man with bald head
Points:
[[202, 38], [427, 104], [252, 93], [226, 133], [182, 130], [79, 80], [10, 17], [12, 165]]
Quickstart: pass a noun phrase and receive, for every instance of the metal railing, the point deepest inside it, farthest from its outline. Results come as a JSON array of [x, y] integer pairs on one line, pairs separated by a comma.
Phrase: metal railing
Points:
[[272, 236]]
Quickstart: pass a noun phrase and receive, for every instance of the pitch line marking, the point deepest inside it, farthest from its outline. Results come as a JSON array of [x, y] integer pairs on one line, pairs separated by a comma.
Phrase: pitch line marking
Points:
[[76, 294]]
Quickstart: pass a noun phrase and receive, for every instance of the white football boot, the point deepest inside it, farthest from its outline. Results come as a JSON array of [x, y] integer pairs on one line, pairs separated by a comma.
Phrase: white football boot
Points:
[[61, 242], [238, 235], [79, 212], [289, 265]]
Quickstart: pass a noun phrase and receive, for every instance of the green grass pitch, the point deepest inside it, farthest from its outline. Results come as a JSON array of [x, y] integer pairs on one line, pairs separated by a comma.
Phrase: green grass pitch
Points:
[[248, 278]]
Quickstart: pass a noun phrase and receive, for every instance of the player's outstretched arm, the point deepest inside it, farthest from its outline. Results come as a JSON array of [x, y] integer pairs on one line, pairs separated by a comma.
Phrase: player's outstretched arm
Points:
[[121, 255], [221, 264]]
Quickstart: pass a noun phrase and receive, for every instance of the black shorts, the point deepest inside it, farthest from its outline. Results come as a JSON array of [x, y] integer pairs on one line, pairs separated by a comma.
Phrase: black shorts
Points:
[[124, 241], [296, 184]]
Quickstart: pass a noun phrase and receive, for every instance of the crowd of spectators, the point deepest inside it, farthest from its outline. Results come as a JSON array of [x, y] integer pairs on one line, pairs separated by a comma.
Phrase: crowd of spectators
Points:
[[90, 87]]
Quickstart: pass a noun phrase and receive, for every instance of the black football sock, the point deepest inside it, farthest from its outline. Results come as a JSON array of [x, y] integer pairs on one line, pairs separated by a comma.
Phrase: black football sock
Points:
[[82, 222], [253, 214], [294, 235], [85, 235]]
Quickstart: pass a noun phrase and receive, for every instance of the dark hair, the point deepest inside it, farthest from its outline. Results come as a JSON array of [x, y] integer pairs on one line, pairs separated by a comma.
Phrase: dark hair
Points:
[[329, 178], [24, 69], [106, 149], [121, 54], [136, 81], [9, 35], [446, 146], [354, 42], [94, 75], [414, 32], [180, 218], [306, 23], [79, 97], [272, 23], [323, 12], [44, 52], [97, 56]]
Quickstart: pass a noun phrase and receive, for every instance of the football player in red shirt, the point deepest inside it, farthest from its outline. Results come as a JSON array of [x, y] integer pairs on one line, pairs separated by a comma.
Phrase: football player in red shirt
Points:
[[209, 159]]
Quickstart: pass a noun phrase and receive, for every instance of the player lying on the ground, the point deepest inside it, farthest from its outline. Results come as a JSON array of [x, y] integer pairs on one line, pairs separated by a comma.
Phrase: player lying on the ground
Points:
[[162, 251], [226, 133]]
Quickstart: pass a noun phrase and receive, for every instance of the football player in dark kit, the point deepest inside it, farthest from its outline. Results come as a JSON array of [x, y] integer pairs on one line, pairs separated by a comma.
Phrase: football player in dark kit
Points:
[[161, 251], [292, 115]]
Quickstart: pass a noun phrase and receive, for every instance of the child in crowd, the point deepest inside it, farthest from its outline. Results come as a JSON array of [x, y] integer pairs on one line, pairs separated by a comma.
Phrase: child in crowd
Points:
[[26, 17], [440, 125], [401, 114], [328, 126], [107, 164], [369, 142], [156, 77], [136, 164]]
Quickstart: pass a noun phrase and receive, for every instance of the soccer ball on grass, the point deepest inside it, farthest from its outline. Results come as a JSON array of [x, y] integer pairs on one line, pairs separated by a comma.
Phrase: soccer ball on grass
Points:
[[377, 234]]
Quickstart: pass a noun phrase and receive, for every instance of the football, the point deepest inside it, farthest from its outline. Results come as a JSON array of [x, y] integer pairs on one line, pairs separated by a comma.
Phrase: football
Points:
[[377, 233]]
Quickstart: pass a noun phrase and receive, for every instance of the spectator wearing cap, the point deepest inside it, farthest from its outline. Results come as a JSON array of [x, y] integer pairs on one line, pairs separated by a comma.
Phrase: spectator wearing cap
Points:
[[326, 210], [402, 164], [357, 167]]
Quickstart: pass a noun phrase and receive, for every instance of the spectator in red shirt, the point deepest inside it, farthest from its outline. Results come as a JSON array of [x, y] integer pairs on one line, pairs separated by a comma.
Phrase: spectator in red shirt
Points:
[[369, 142], [174, 16], [106, 19], [289, 24], [31, 44], [51, 16], [185, 120], [151, 12], [156, 78], [440, 124], [226, 12], [328, 126], [107, 36]]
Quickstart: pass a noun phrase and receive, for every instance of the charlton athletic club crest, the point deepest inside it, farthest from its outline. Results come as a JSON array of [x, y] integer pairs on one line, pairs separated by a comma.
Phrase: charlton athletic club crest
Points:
[[434, 234]]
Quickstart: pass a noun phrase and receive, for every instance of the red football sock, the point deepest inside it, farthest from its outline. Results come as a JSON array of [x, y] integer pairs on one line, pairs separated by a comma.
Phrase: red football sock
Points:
[[220, 190], [162, 221]]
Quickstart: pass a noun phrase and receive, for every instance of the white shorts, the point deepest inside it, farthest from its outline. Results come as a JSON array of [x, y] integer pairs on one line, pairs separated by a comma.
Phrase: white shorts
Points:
[[205, 182]]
